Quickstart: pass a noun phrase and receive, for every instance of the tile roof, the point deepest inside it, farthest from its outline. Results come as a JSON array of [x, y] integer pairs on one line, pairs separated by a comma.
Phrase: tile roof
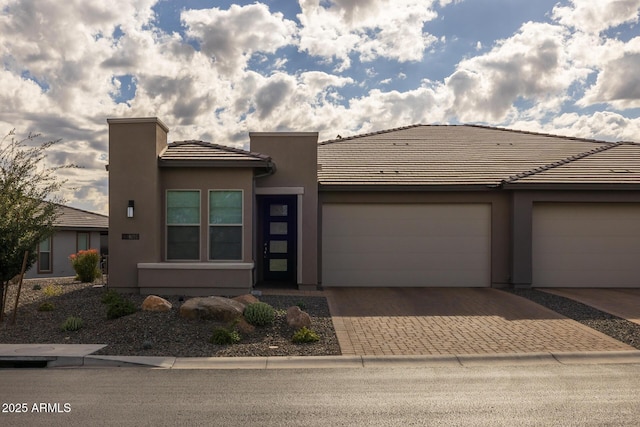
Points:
[[461, 155], [77, 218], [618, 163], [200, 153]]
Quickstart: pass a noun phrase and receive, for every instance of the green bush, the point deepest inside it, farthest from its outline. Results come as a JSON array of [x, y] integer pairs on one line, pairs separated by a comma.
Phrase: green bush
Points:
[[225, 336], [259, 314], [85, 264], [110, 297], [72, 324], [46, 306], [36, 287], [305, 335], [120, 308]]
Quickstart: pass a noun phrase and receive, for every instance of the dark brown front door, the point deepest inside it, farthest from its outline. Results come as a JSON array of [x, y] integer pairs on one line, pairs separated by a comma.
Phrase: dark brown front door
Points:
[[279, 225]]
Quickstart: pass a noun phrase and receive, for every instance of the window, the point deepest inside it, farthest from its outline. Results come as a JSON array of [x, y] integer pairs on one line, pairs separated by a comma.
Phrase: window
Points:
[[183, 225], [83, 241], [44, 256], [225, 225]]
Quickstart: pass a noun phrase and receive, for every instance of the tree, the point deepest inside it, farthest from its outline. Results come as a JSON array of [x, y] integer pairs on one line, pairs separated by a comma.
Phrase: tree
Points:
[[27, 202]]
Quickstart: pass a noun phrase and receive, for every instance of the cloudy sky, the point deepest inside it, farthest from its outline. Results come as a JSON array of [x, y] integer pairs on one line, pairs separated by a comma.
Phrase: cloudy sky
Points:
[[216, 70]]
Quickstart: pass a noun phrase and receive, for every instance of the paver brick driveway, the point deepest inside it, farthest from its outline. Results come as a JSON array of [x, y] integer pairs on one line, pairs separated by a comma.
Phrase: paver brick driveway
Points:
[[424, 321]]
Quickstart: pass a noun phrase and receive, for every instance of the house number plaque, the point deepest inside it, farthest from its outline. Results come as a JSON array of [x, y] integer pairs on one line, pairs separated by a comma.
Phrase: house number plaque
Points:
[[134, 236]]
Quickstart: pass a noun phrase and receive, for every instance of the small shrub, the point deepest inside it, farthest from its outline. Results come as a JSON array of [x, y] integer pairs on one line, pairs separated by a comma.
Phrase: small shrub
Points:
[[225, 336], [72, 324], [85, 264], [52, 290], [46, 306], [110, 297], [146, 345], [120, 308], [305, 335], [36, 287], [259, 314], [301, 305]]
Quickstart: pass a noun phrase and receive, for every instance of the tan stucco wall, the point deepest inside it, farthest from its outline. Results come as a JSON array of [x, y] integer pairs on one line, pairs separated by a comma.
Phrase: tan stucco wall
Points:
[[500, 217], [296, 157], [134, 145]]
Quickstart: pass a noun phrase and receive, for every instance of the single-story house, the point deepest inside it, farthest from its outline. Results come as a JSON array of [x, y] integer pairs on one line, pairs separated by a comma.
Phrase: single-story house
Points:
[[75, 230], [423, 205]]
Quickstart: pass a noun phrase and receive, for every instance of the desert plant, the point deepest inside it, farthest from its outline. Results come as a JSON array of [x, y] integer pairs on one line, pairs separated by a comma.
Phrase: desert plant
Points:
[[304, 335], [120, 308], [147, 344], [85, 264], [36, 287], [46, 306], [72, 324], [52, 290], [110, 297], [259, 314], [225, 336]]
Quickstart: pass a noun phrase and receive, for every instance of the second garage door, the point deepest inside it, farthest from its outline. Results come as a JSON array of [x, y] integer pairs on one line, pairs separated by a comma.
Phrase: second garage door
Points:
[[586, 245], [406, 245]]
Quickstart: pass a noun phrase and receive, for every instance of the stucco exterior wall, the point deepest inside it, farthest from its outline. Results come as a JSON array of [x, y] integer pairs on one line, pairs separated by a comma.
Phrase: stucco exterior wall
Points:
[[63, 244]]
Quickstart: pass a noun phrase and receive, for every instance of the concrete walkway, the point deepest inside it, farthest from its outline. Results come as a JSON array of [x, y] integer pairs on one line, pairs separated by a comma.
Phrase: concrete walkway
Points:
[[441, 321]]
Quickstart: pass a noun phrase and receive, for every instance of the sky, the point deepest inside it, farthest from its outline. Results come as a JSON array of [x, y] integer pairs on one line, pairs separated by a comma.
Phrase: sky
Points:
[[217, 70]]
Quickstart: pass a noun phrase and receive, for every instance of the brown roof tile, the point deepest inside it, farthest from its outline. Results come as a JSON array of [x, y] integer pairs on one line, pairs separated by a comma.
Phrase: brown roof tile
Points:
[[443, 155], [77, 218], [192, 153]]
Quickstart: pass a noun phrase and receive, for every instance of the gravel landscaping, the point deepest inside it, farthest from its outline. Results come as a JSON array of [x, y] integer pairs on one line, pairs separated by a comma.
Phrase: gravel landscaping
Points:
[[620, 329], [147, 333]]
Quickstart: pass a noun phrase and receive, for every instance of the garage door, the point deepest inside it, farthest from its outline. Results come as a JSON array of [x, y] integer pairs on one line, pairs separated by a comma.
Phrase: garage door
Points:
[[586, 245], [406, 245]]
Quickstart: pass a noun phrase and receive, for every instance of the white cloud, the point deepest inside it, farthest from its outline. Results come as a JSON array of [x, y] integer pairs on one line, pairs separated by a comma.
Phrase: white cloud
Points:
[[232, 36], [595, 16], [371, 29]]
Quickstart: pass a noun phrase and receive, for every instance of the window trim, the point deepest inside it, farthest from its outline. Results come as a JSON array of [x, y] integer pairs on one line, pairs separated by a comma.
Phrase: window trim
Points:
[[167, 225], [241, 224], [50, 270], [78, 233]]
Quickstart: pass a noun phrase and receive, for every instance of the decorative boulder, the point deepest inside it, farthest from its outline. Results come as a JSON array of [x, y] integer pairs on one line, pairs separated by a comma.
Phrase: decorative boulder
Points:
[[246, 299], [155, 303], [297, 318], [211, 308]]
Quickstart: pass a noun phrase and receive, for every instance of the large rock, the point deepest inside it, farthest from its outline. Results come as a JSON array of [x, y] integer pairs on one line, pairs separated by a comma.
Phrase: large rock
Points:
[[155, 303], [211, 308], [297, 318], [246, 299]]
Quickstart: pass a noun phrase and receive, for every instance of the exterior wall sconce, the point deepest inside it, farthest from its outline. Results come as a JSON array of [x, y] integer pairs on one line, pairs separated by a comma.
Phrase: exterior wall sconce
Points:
[[130, 209]]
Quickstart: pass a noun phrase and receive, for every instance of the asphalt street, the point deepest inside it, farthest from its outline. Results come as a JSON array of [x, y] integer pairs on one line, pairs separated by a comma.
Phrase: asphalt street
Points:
[[580, 395]]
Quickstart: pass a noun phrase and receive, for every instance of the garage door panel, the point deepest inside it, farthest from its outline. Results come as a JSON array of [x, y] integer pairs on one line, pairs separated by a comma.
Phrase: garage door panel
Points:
[[406, 245], [586, 245]]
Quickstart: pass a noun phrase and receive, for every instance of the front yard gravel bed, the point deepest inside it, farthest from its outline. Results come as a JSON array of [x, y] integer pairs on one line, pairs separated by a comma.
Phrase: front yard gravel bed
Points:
[[155, 334], [620, 329]]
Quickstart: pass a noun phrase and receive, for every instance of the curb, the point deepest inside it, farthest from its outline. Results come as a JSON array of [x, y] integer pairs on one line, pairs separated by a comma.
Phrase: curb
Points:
[[342, 362]]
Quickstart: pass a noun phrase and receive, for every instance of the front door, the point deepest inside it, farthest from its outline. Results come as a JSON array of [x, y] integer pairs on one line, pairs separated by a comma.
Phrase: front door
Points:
[[279, 227]]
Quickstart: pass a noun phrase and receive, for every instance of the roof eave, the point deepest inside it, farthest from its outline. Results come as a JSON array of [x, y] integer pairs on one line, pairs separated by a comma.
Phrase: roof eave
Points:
[[405, 187], [171, 163], [571, 186]]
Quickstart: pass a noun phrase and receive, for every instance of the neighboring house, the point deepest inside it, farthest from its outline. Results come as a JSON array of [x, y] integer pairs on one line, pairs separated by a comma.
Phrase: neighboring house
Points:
[[75, 230], [417, 206]]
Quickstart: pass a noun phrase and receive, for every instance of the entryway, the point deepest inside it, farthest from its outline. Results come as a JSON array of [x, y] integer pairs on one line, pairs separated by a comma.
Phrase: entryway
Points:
[[277, 231]]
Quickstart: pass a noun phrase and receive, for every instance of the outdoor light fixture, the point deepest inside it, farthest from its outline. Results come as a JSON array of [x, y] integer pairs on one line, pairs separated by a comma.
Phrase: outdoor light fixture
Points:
[[130, 209]]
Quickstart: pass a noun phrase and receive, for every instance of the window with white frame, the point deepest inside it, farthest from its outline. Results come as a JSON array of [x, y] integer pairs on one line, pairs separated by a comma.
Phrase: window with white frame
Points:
[[225, 225], [183, 225]]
